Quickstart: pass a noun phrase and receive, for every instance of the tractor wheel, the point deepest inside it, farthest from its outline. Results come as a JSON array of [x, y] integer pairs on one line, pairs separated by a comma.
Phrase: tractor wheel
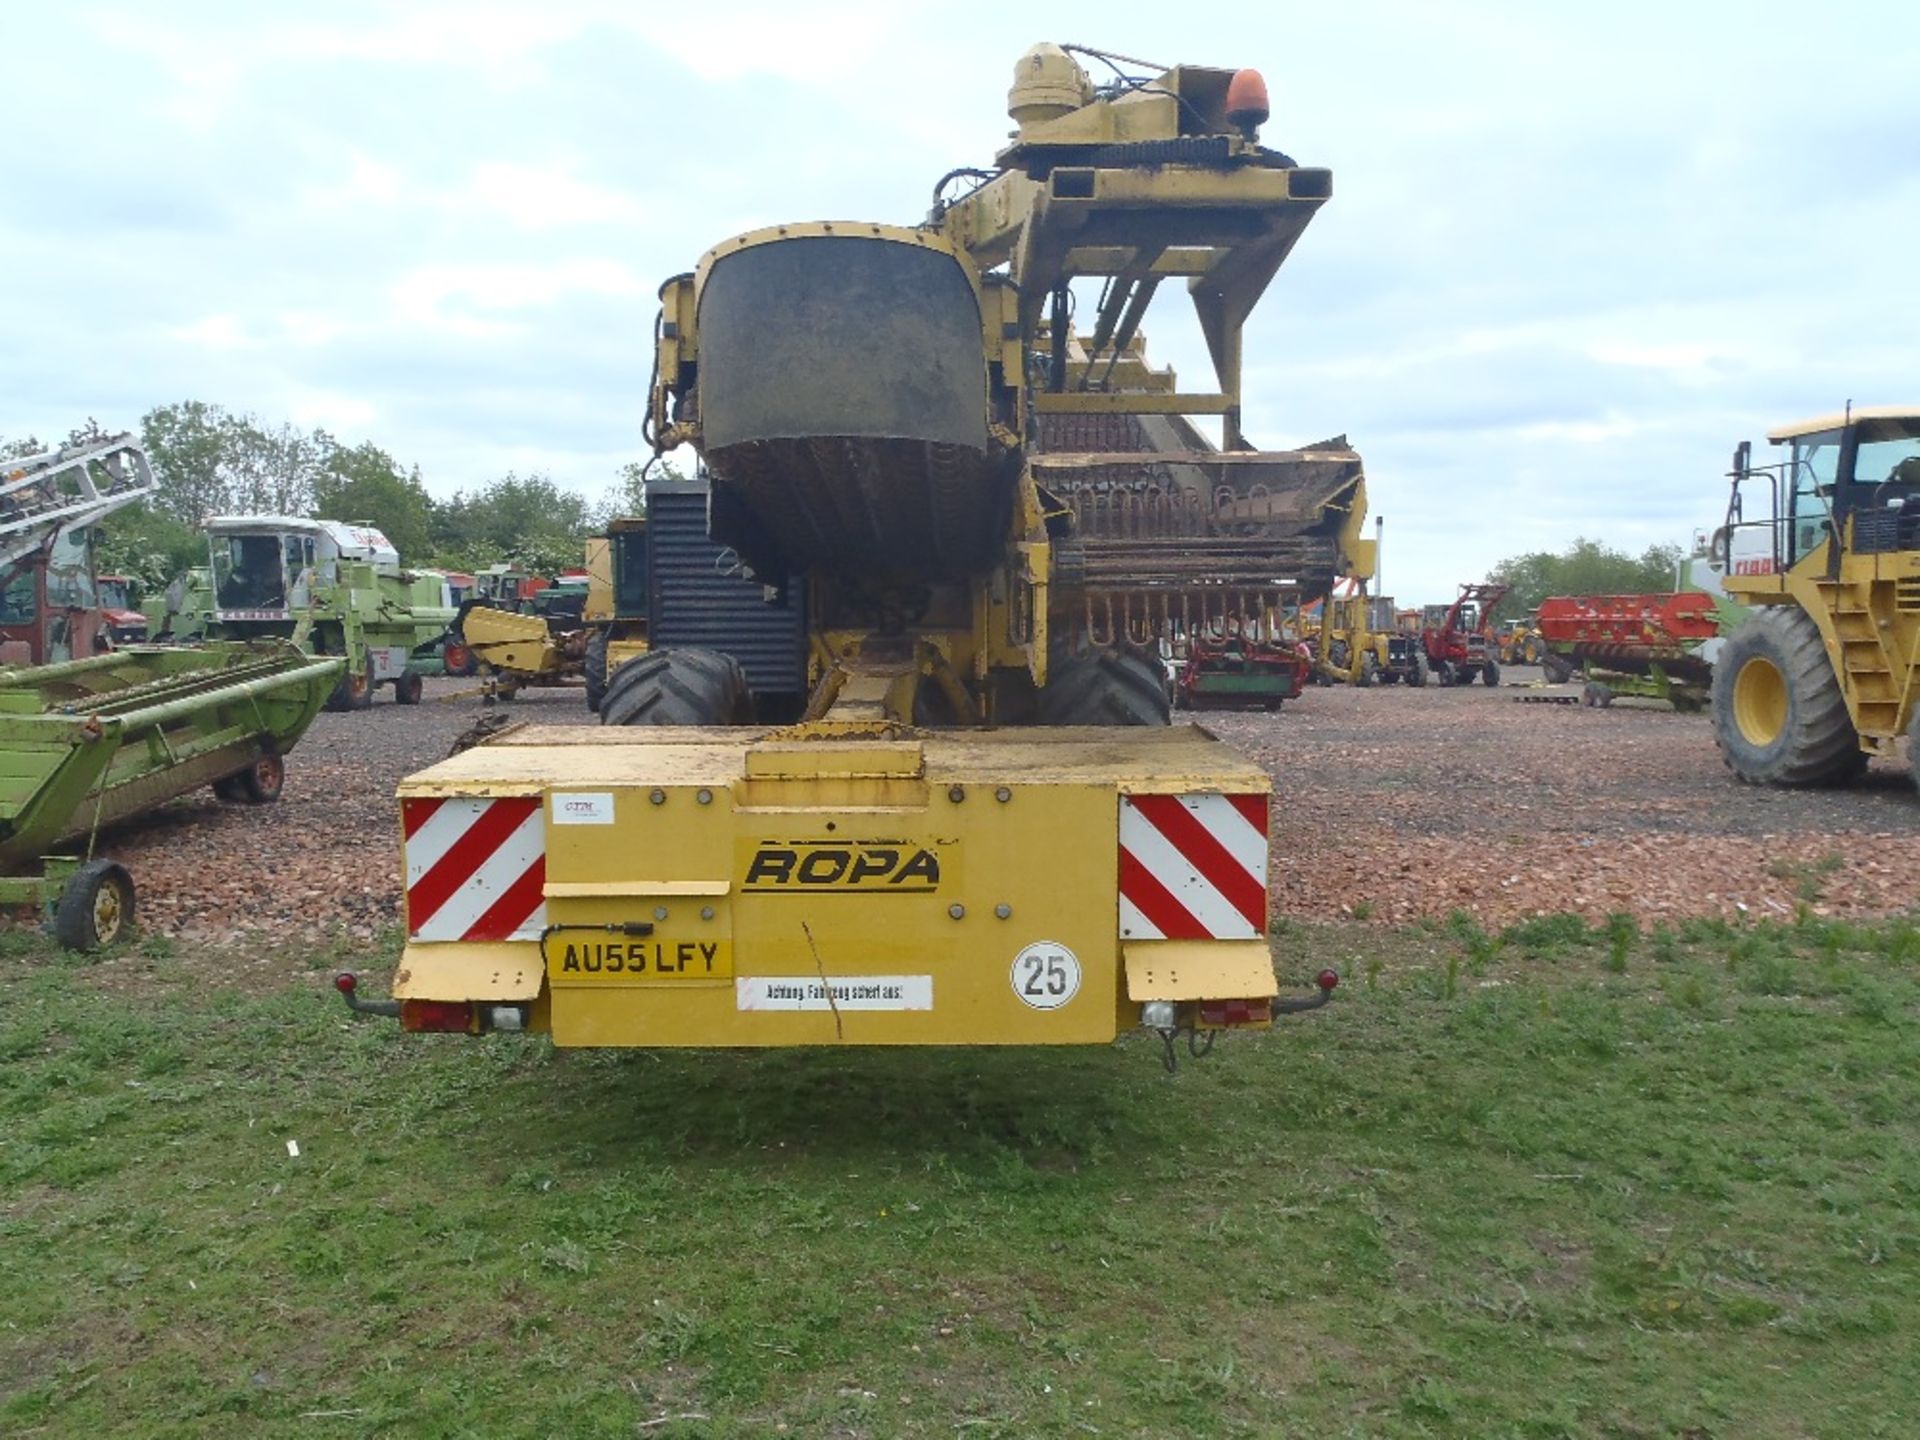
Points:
[[1417, 676], [261, 782], [1443, 672], [408, 689], [1104, 687], [1778, 711], [459, 660], [677, 687], [95, 907], [596, 670], [1369, 671], [1490, 676]]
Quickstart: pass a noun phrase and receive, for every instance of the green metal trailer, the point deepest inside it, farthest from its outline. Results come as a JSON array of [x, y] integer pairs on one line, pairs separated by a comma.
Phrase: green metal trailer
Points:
[[90, 742]]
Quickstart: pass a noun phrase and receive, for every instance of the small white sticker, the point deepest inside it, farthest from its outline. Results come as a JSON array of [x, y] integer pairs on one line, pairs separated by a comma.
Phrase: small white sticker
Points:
[[595, 809], [850, 992], [1046, 975]]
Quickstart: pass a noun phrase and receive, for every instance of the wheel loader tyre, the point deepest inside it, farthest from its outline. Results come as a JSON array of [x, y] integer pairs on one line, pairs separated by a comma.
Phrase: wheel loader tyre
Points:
[[1104, 687], [1369, 671], [677, 687], [261, 782], [408, 689], [1778, 711], [1491, 676], [95, 907], [596, 670]]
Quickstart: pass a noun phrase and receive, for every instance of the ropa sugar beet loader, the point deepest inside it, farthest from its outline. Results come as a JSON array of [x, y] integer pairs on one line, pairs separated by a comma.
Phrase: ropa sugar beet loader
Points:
[[982, 830]]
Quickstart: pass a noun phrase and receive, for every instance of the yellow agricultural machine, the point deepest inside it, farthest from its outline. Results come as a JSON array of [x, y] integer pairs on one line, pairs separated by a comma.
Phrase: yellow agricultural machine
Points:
[[1820, 677], [618, 602], [982, 830]]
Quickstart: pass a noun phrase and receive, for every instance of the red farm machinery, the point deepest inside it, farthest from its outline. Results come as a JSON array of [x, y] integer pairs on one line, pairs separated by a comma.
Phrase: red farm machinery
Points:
[[1647, 645]]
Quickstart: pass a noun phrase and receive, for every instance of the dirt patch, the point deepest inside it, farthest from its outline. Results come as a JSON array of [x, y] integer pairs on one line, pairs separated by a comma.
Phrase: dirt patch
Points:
[[1394, 804]]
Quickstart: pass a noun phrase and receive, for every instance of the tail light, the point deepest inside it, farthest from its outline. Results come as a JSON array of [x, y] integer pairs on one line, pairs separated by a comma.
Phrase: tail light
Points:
[[456, 1017], [1234, 1014]]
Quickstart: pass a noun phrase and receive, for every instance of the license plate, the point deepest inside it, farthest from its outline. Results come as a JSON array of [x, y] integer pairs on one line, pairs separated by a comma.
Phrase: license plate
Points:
[[581, 956]]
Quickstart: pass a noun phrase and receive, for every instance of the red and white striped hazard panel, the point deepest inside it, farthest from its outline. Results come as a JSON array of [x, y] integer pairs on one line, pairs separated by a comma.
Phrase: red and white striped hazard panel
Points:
[[1193, 867], [476, 868]]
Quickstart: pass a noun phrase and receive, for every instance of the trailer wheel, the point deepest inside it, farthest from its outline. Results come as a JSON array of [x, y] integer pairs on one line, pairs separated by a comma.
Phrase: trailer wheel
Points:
[[96, 906], [596, 669], [261, 782], [408, 689], [1104, 687], [1778, 711], [1558, 669], [677, 687], [354, 692], [1490, 676], [227, 788]]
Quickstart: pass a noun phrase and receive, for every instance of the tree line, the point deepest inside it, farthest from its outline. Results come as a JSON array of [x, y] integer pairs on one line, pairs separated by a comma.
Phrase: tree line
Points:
[[209, 461], [1586, 567]]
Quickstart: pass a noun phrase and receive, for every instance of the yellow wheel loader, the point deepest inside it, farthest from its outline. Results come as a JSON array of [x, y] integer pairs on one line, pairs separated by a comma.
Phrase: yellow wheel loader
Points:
[[944, 445], [1820, 677]]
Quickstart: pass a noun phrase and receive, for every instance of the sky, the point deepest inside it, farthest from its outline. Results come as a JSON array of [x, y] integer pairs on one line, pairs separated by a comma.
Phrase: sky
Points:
[[1574, 253]]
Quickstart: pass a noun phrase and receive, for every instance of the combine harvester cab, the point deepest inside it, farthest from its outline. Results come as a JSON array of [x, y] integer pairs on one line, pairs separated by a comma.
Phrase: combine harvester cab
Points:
[[88, 743], [981, 830], [332, 588]]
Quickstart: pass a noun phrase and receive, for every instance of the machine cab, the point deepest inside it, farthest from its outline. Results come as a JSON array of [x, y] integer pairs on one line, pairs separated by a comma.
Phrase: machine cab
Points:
[[267, 567], [1859, 469]]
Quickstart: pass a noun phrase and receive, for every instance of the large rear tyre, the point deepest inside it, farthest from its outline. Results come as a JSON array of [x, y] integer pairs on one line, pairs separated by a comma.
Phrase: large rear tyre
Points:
[[1778, 711], [1104, 687], [677, 687], [596, 670], [95, 907]]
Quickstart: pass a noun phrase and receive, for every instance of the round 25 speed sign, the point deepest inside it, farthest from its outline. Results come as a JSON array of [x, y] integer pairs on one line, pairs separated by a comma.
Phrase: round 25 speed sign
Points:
[[1046, 975]]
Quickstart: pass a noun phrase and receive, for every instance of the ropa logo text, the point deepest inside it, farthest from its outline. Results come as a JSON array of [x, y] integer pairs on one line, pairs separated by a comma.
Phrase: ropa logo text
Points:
[[811, 866]]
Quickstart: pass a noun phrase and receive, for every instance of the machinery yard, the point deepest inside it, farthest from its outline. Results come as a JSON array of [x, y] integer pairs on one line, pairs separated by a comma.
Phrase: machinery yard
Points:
[[834, 844]]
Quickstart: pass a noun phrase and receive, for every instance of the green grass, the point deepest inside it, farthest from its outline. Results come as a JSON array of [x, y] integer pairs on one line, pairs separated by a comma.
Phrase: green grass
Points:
[[1637, 1186]]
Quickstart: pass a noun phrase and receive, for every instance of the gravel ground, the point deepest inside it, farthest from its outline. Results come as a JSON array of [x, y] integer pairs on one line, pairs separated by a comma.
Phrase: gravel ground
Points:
[[1397, 804], [1393, 805]]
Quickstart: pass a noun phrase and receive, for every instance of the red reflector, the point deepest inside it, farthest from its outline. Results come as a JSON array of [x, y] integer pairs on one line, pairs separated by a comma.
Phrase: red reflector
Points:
[[451, 1016], [1327, 979], [1230, 1014]]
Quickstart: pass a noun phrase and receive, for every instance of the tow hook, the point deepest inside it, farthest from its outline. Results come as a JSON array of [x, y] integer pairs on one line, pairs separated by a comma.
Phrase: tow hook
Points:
[[1326, 980], [1161, 1016], [348, 984]]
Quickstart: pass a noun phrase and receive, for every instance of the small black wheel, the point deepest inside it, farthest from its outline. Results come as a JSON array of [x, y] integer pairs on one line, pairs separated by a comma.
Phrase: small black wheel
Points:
[[408, 689], [228, 788], [1490, 676], [596, 670], [354, 692], [261, 782], [458, 659], [96, 906]]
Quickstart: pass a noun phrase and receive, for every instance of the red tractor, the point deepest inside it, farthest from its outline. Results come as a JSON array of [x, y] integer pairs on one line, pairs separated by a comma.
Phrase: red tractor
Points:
[[1460, 641]]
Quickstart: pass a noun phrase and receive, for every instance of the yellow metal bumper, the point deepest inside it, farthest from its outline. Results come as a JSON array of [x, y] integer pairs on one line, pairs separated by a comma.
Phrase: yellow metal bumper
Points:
[[742, 888]]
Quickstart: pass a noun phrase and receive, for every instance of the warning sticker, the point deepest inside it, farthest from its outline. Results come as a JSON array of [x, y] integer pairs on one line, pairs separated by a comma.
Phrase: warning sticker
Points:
[[849, 992]]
